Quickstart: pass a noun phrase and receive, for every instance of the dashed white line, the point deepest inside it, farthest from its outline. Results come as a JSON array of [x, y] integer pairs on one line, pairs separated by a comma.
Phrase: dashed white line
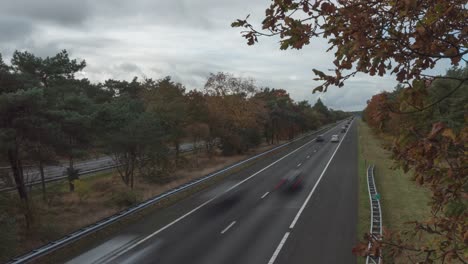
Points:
[[278, 249], [263, 196], [227, 228], [308, 156], [299, 164], [125, 250], [316, 184]]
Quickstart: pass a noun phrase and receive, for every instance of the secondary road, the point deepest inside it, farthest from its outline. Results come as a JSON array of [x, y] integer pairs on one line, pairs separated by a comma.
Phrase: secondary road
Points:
[[245, 219], [50, 172]]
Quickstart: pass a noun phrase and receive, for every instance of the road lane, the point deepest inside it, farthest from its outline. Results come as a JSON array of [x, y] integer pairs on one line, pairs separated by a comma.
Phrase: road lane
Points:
[[261, 216], [326, 231]]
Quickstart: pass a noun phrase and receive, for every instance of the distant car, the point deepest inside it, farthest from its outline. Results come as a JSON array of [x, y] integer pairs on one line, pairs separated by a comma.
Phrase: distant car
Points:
[[335, 138], [291, 181], [343, 129], [319, 138]]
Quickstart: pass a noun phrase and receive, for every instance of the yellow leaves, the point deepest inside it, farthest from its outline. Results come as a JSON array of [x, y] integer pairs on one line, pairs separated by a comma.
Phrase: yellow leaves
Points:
[[448, 133]]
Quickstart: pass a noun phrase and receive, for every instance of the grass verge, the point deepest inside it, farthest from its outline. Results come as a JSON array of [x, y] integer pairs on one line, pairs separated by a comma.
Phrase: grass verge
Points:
[[64, 212], [402, 200]]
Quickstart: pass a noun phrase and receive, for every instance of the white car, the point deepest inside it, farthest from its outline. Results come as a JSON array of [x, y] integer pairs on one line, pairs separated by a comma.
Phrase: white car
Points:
[[335, 138]]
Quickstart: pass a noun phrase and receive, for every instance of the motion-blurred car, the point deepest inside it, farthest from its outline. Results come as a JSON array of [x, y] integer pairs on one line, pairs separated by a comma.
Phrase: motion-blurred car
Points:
[[291, 181], [319, 138], [335, 138]]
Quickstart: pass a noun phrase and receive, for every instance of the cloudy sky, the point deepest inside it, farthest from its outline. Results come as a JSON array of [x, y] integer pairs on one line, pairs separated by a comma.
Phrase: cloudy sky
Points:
[[185, 39]]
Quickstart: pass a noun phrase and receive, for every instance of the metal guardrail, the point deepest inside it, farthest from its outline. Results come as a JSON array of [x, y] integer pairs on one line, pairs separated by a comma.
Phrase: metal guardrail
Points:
[[376, 213], [64, 176], [58, 178], [52, 246]]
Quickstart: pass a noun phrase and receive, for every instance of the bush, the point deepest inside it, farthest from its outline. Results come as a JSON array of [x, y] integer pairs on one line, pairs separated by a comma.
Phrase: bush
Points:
[[83, 189], [47, 230], [8, 229], [124, 199]]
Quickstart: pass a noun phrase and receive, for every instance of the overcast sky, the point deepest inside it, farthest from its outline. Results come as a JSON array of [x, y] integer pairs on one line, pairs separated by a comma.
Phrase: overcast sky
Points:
[[185, 39]]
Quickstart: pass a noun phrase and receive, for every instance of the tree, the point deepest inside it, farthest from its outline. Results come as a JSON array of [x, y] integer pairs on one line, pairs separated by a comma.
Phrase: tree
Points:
[[20, 113], [144, 150], [403, 37], [166, 100], [69, 108], [233, 113], [430, 143], [223, 84]]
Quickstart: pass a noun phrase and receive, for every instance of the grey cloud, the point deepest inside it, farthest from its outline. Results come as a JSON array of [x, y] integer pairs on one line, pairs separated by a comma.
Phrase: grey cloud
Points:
[[62, 12], [14, 29], [185, 39]]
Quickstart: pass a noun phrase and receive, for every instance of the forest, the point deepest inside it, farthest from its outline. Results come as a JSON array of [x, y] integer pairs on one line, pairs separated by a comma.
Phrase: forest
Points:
[[48, 115]]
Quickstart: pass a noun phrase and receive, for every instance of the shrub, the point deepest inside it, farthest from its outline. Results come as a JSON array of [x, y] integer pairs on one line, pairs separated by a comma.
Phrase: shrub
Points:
[[123, 199], [83, 189]]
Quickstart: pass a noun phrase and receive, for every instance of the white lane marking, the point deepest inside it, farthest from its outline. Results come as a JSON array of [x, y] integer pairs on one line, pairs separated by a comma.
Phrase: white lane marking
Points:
[[308, 156], [299, 164], [315, 186], [263, 196], [227, 228], [123, 251], [278, 249], [315, 150], [156, 232]]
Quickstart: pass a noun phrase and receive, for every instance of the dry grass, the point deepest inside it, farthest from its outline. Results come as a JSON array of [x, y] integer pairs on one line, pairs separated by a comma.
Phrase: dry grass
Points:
[[64, 212]]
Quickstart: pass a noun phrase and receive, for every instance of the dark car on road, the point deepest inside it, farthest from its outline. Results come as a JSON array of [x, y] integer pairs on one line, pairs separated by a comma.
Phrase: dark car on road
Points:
[[319, 138], [291, 181], [343, 129]]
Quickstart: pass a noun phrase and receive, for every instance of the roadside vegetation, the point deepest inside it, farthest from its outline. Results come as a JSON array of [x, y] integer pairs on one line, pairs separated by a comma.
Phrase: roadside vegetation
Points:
[[47, 115], [425, 118], [428, 147], [402, 199]]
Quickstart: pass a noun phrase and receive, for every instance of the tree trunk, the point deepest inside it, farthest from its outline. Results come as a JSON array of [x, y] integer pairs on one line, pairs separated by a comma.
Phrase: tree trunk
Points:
[[177, 152], [195, 150], [41, 171], [17, 169], [71, 170], [132, 169]]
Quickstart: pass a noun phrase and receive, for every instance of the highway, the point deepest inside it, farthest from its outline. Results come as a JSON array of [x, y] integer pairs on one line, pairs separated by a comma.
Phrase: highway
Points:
[[247, 219], [31, 173]]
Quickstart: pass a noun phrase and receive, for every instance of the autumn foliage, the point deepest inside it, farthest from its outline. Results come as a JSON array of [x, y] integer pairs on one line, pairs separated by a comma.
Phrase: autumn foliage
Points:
[[431, 144], [426, 115]]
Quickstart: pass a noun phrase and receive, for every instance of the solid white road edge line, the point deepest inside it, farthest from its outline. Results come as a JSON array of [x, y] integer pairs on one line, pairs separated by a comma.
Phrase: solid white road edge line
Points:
[[203, 204], [156, 232], [229, 226], [316, 184], [263, 196], [278, 249], [123, 251]]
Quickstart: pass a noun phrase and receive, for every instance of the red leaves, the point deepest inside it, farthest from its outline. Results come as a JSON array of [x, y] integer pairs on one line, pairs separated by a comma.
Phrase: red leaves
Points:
[[328, 8]]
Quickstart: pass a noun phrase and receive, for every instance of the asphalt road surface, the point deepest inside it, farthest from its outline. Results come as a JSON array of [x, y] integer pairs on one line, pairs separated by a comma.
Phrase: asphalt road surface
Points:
[[247, 219], [32, 173]]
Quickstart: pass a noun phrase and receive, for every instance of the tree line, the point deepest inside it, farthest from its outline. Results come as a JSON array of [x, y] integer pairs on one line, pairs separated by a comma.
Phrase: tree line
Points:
[[47, 114], [429, 140]]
